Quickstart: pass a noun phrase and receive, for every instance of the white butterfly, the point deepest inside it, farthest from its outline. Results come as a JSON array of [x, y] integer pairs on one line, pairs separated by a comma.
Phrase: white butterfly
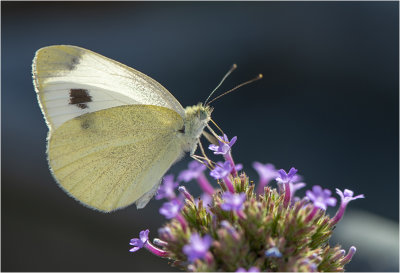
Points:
[[113, 131]]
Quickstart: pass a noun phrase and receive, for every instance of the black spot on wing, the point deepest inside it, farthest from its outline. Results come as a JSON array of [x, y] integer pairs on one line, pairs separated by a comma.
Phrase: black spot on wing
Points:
[[79, 97], [82, 105], [73, 63], [85, 124]]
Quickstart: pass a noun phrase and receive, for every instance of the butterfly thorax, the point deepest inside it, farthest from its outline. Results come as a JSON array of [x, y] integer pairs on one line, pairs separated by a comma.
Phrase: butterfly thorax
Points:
[[196, 118]]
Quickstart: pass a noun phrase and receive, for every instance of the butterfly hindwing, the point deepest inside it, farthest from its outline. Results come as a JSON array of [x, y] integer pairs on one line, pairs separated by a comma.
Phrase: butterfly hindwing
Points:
[[110, 158]]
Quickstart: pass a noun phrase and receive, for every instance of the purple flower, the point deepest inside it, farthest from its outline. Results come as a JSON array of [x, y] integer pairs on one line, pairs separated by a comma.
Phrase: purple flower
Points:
[[195, 169], [321, 198], [171, 209], [273, 252], [284, 177], [233, 201], [285, 180], [221, 170], [224, 146], [345, 197], [239, 166], [139, 243], [296, 178], [144, 242], [167, 189], [296, 186], [267, 172], [197, 247], [251, 269]]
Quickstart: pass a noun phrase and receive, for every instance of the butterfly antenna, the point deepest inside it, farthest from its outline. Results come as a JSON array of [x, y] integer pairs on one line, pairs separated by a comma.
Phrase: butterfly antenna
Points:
[[259, 77], [234, 66]]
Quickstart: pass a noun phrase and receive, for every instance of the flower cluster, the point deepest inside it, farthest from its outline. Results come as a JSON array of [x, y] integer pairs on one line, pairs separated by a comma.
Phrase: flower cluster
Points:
[[241, 228]]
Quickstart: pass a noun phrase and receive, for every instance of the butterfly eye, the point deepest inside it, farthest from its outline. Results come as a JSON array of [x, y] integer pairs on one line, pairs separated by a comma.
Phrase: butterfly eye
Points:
[[202, 115]]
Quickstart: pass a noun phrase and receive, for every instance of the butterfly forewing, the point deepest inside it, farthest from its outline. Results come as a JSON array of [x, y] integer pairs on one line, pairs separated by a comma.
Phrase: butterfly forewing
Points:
[[71, 81]]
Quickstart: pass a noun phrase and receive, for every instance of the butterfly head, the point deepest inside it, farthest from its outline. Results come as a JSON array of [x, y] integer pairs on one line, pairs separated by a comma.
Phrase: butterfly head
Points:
[[199, 112], [196, 118]]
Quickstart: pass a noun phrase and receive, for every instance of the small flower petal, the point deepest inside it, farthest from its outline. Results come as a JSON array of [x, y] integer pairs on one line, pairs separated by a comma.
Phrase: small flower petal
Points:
[[292, 172], [273, 252], [239, 166], [139, 243], [267, 172], [144, 235], [321, 198], [287, 177], [347, 196], [170, 209], [233, 201], [195, 168], [221, 170], [167, 189], [224, 146], [197, 247]]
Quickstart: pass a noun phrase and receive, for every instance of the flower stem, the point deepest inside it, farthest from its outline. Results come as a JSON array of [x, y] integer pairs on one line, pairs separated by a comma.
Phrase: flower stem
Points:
[[281, 188], [312, 214], [228, 184], [204, 184], [286, 200], [228, 157], [156, 251], [338, 215], [209, 258], [181, 220], [241, 214], [261, 185]]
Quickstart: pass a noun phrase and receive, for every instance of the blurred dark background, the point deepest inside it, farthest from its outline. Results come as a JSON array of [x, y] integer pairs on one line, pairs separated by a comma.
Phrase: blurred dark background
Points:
[[328, 105]]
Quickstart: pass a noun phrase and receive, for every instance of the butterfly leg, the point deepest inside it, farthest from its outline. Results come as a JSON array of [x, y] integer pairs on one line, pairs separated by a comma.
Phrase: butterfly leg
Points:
[[215, 134], [217, 126], [204, 158]]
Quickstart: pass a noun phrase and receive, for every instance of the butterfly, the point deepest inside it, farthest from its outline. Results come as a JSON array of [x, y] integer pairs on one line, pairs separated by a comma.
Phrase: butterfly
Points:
[[113, 131]]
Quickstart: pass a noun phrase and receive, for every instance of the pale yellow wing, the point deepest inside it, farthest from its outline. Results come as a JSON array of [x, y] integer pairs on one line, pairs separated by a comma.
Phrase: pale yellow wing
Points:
[[71, 81], [110, 158]]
